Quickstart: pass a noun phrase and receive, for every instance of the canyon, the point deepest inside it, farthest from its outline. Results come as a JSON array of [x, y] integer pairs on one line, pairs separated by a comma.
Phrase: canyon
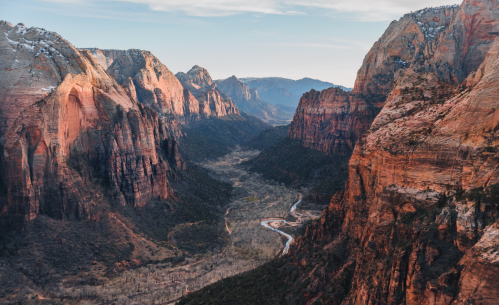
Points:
[[417, 220], [124, 183], [93, 186]]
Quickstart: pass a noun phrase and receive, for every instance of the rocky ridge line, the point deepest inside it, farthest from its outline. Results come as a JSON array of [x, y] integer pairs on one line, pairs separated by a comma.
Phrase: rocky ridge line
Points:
[[212, 100], [248, 100]]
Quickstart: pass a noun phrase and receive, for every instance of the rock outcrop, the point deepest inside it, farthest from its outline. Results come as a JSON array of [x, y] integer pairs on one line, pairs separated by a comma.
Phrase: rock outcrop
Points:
[[449, 42], [212, 100], [247, 100], [417, 219], [332, 120], [71, 137], [149, 82]]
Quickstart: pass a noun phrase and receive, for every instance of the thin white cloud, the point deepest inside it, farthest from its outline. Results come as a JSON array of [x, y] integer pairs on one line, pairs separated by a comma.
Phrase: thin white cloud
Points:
[[374, 10], [365, 10], [215, 8]]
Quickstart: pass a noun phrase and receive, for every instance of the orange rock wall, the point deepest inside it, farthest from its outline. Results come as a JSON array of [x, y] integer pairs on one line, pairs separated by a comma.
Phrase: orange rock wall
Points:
[[418, 214], [149, 81], [66, 125], [450, 42]]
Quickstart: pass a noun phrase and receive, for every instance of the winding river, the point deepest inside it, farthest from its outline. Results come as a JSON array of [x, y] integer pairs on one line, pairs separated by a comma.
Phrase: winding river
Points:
[[290, 238]]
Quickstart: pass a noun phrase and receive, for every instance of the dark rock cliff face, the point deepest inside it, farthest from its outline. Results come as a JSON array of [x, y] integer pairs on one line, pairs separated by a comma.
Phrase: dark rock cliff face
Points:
[[66, 125], [332, 120]]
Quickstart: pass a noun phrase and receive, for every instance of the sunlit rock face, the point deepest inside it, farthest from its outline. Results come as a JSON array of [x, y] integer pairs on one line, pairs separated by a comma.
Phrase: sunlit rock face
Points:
[[449, 42], [65, 125], [149, 82], [212, 101], [418, 214]]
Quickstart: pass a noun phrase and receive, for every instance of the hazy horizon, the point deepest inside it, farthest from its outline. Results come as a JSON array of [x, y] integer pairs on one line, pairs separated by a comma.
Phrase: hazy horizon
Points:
[[325, 40]]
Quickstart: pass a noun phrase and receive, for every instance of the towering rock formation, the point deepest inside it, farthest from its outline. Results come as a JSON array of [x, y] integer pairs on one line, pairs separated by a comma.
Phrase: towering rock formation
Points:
[[212, 100], [449, 42], [332, 120], [421, 197], [66, 125], [149, 82], [248, 101], [418, 216]]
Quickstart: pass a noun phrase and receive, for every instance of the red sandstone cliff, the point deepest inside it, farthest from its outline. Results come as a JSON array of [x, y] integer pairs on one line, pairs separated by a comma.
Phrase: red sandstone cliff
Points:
[[332, 120], [212, 100], [449, 42], [66, 125], [416, 223], [149, 81]]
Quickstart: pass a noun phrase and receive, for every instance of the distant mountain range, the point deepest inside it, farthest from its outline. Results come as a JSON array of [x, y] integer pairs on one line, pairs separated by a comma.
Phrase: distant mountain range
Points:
[[248, 100], [284, 91]]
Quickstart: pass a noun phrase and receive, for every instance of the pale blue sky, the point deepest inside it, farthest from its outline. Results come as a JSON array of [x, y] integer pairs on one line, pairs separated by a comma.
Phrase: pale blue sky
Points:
[[322, 39]]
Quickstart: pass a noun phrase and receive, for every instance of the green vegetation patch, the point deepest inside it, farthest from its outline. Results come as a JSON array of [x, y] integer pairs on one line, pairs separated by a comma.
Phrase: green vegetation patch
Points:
[[252, 198], [268, 138], [295, 165], [198, 199], [217, 137]]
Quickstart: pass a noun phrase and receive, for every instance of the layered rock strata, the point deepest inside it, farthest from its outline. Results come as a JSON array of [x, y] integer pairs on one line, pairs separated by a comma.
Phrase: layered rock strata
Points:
[[449, 42], [66, 124], [332, 120], [149, 82], [212, 100], [418, 216]]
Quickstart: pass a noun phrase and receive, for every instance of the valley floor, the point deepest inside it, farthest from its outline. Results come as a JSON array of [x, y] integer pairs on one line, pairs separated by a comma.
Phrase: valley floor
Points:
[[259, 220]]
